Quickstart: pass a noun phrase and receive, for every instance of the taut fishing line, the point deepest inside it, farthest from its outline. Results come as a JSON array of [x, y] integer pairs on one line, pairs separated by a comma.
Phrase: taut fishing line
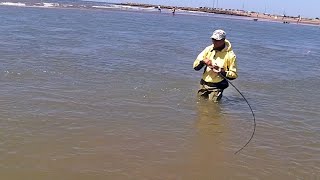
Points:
[[254, 118]]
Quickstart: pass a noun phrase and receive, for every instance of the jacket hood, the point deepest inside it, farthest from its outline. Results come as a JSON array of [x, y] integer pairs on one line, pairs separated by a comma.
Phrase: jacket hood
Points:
[[228, 46]]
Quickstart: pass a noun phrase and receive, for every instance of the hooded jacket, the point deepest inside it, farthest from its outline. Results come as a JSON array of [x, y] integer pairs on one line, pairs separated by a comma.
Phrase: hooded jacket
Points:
[[225, 59]]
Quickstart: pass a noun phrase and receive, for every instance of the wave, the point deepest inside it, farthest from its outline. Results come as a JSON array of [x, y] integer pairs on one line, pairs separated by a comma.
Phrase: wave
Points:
[[122, 7], [24, 5], [12, 4]]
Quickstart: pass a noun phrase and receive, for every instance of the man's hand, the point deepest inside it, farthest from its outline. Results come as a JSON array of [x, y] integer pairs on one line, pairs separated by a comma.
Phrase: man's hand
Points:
[[207, 62], [217, 69], [213, 67]]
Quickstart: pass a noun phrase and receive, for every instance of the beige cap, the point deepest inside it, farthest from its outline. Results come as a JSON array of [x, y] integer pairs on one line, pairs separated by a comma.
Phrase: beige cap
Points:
[[218, 34]]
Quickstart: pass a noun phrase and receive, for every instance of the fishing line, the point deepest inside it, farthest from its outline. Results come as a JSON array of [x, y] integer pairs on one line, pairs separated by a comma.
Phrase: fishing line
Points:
[[254, 118]]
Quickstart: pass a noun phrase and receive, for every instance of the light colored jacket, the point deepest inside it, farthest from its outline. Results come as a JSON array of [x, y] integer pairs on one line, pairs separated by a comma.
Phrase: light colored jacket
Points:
[[225, 59]]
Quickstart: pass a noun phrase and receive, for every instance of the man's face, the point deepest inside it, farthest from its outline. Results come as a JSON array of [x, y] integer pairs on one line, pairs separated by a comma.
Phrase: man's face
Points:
[[218, 43]]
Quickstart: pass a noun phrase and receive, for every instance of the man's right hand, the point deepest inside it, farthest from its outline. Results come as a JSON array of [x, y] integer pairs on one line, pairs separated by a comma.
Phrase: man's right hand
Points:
[[207, 62]]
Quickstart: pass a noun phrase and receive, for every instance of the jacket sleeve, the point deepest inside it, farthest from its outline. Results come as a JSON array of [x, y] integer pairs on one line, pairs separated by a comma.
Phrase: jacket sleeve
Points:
[[231, 72], [198, 63]]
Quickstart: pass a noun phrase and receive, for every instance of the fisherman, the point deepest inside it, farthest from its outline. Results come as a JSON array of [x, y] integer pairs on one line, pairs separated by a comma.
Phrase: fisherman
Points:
[[159, 8], [219, 62]]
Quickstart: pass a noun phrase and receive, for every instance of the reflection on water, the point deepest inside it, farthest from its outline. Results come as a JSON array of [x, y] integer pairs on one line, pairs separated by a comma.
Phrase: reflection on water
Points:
[[209, 154], [209, 118]]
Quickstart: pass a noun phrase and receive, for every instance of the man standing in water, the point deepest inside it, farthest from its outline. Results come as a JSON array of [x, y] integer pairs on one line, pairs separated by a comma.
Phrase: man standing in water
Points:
[[219, 62]]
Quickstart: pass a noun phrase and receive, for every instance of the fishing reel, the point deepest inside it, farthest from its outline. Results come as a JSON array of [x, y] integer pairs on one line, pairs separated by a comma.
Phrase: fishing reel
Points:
[[215, 68]]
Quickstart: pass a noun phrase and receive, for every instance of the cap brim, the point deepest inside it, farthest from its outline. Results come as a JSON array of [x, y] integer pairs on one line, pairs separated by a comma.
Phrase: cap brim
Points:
[[215, 38]]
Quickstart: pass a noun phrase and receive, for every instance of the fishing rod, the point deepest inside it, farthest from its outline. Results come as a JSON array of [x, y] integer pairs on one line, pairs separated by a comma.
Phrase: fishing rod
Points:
[[254, 118]]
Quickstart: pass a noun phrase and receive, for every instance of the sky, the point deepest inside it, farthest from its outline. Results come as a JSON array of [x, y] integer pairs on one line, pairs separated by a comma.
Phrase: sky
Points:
[[305, 8]]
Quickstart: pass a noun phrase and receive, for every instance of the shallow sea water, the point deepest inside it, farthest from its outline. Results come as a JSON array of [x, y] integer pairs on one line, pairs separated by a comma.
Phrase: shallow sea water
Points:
[[105, 94]]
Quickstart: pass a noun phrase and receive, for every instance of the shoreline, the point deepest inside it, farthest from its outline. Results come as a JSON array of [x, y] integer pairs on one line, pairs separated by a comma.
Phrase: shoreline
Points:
[[255, 16]]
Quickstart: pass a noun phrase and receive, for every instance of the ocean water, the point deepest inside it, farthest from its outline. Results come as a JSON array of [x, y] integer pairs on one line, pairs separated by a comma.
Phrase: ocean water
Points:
[[107, 94]]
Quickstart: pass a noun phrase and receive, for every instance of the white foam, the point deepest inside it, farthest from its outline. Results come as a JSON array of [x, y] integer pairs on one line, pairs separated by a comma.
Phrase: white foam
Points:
[[102, 7], [12, 4], [122, 7], [50, 4]]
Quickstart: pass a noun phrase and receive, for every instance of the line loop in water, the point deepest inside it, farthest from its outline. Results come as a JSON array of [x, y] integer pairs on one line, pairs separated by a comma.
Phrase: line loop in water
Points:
[[254, 118]]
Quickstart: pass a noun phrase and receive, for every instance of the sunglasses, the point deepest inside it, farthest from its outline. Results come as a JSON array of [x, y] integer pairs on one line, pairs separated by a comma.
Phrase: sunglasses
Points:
[[217, 40]]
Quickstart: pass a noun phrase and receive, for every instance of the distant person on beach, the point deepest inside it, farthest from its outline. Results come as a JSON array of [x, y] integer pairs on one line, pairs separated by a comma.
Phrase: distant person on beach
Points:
[[299, 19], [159, 8], [173, 10], [219, 62]]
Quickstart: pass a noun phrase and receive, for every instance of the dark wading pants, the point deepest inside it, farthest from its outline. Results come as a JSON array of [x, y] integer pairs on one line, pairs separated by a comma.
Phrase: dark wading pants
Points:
[[212, 91]]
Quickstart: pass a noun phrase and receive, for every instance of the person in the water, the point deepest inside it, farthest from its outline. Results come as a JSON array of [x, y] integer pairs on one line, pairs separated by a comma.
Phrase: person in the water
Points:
[[219, 62]]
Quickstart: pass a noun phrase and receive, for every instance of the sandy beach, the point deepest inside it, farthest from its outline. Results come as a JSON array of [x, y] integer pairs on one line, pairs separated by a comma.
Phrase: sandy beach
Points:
[[256, 16]]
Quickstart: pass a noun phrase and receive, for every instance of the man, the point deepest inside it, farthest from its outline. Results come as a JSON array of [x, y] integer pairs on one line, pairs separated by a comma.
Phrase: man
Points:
[[219, 62], [173, 10]]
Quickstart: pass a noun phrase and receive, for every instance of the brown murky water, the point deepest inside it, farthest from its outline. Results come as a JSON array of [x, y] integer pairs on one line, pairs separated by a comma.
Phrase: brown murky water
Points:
[[91, 95]]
